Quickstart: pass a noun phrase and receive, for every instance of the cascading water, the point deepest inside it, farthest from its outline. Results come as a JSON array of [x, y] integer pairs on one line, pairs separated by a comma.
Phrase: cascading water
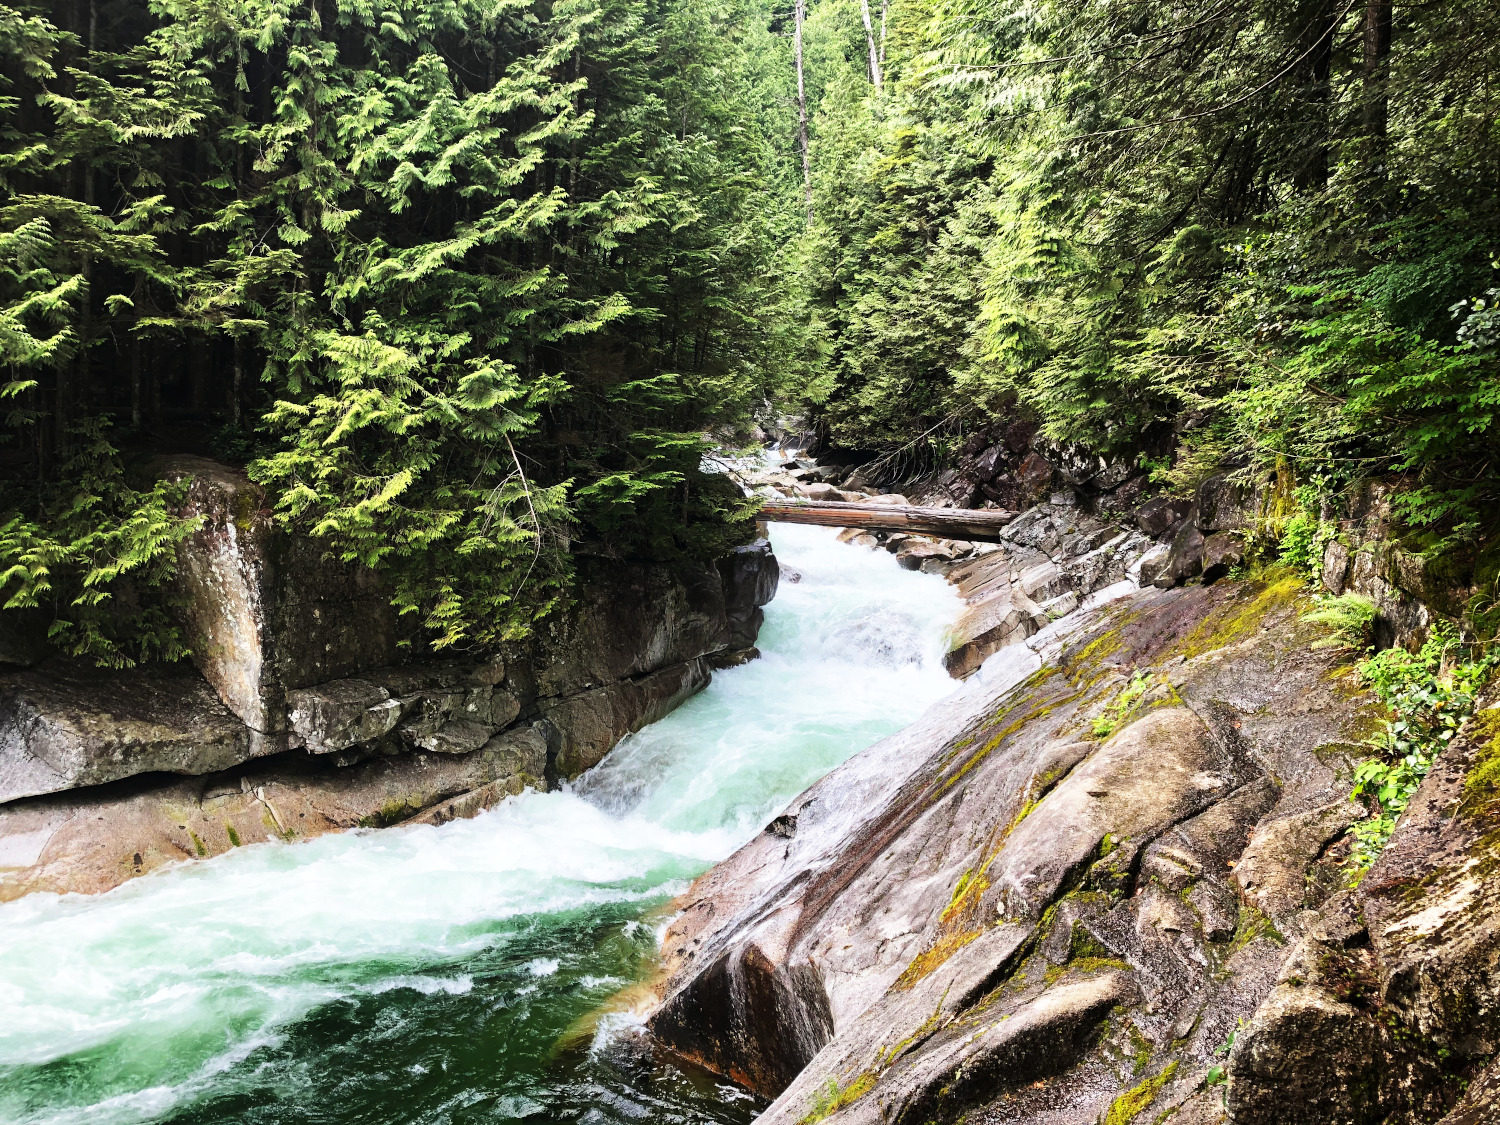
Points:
[[479, 971]]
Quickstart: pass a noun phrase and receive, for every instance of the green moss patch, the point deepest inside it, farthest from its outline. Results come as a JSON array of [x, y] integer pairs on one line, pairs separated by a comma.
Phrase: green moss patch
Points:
[[1129, 1105], [1482, 783], [833, 1098]]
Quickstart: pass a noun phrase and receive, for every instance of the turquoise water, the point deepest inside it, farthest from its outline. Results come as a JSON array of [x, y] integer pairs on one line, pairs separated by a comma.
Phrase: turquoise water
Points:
[[477, 971]]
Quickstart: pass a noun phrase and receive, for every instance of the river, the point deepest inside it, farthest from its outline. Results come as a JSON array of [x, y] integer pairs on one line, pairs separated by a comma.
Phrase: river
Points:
[[480, 971]]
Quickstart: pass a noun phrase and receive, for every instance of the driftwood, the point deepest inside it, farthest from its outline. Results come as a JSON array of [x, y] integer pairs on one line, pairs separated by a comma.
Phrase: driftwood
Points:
[[945, 523]]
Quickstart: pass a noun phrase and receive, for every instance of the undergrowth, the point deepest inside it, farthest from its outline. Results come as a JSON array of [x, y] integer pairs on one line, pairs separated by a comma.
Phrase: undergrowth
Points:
[[1119, 710], [1429, 695]]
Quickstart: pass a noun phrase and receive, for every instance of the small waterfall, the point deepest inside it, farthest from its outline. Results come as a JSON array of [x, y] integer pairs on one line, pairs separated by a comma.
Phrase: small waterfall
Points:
[[441, 974]]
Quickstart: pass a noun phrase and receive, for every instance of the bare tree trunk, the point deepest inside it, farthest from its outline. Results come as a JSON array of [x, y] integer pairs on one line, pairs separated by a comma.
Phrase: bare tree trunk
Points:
[[239, 381], [801, 15], [885, 12], [1316, 70], [864, 10], [1376, 66], [947, 523]]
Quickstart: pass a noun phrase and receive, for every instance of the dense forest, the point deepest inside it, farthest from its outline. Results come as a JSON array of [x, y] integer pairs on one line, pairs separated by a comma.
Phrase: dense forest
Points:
[[470, 286]]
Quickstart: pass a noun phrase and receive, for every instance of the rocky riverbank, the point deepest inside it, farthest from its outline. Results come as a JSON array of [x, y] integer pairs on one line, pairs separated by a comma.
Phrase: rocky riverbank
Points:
[[305, 714], [1107, 880]]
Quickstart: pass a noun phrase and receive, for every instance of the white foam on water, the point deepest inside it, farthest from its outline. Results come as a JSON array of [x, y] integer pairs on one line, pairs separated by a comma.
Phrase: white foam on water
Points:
[[181, 974]]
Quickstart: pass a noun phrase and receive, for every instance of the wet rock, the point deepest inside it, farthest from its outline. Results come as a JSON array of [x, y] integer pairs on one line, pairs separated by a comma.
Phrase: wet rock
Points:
[[1060, 606], [340, 714], [822, 492], [1045, 580], [988, 463], [63, 726], [750, 575], [593, 721], [966, 874], [733, 658], [92, 841], [1106, 564], [913, 555], [858, 538]]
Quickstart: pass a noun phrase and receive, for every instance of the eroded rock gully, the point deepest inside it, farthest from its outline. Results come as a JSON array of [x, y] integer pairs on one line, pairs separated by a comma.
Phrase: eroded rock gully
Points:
[[303, 717], [1010, 912]]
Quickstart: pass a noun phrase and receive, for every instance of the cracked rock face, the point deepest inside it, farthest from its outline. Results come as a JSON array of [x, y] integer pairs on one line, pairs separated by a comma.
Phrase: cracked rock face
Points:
[[1042, 904], [1050, 560]]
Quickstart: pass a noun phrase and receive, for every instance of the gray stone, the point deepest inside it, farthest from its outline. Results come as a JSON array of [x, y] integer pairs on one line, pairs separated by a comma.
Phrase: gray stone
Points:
[[64, 726], [1336, 566], [1225, 506], [264, 611], [340, 714], [750, 575], [930, 901], [593, 721], [988, 626], [1222, 552], [1161, 514], [1153, 565], [1272, 873], [1186, 559], [972, 1063]]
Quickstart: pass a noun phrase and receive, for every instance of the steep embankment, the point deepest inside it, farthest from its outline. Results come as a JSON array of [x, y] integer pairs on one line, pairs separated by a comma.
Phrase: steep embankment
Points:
[[307, 713], [1106, 882], [464, 964]]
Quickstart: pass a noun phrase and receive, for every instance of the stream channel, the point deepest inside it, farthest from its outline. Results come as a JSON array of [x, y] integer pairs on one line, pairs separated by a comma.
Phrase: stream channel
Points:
[[485, 970]]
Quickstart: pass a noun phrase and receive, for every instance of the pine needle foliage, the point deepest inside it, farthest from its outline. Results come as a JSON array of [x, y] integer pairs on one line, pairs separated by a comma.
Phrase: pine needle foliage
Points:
[[465, 283], [1273, 223]]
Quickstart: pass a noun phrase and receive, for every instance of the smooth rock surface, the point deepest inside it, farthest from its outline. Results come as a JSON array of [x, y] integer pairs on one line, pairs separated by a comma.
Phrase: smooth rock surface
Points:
[[991, 912], [63, 726]]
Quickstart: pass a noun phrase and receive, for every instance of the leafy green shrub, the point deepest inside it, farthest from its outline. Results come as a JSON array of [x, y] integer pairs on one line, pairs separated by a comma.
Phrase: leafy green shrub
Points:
[[1430, 694]]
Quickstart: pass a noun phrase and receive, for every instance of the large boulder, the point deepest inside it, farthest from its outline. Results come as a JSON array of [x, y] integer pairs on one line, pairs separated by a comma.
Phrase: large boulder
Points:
[[1224, 505], [63, 726]]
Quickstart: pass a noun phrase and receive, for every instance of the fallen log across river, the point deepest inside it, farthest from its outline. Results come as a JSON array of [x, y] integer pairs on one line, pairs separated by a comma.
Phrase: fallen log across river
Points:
[[945, 523]]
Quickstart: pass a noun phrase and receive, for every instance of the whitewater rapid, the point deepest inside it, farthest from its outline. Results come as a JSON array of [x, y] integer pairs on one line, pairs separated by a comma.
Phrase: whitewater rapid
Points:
[[455, 973]]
